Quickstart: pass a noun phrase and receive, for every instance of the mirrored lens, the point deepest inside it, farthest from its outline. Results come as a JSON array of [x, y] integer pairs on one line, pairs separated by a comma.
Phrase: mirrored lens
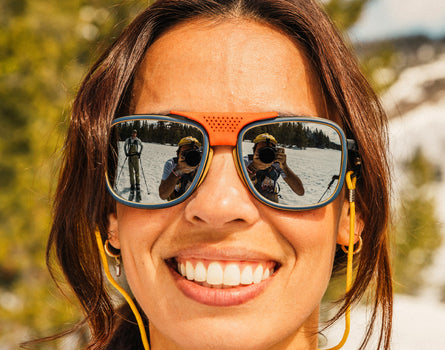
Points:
[[153, 161], [295, 164]]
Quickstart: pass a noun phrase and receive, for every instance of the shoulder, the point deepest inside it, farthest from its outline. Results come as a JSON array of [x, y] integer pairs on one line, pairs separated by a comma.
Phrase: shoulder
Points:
[[168, 167], [170, 162]]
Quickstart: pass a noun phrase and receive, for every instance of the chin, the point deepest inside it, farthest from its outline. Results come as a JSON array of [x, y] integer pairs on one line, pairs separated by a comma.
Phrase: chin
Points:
[[216, 335]]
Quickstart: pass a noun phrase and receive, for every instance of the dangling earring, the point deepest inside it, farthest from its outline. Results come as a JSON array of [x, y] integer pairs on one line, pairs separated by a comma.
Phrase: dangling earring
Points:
[[356, 249], [117, 257]]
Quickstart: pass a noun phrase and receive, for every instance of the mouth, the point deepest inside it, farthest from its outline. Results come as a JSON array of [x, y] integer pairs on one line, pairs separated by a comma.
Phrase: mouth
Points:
[[221, 282]]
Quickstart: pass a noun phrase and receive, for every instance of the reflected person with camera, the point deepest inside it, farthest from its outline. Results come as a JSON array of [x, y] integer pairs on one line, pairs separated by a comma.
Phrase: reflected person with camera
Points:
[[267, 164], [179, 171]]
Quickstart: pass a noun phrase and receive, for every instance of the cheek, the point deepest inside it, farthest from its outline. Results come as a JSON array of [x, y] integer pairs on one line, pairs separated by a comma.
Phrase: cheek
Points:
[[309, 230], [139, 229], [312, 235]]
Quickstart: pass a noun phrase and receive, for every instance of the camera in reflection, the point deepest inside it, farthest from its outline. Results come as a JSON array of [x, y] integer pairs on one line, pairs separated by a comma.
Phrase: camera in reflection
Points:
[[192, 156], [267, 154]]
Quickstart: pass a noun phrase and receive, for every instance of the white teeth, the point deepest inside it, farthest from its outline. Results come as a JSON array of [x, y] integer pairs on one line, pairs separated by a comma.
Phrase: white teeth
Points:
[[232, 275], [217, 276], [181, 268], [190, 271], [200, 272], [214, 274], [258, 274], [266, 274], [247, 275]]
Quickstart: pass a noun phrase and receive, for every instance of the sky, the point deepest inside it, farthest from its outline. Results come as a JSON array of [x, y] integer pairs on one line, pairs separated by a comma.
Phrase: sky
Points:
[[390, 18]]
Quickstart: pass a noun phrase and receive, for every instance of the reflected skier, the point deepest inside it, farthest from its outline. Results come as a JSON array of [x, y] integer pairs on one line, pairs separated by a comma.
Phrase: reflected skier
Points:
[[133, 148]]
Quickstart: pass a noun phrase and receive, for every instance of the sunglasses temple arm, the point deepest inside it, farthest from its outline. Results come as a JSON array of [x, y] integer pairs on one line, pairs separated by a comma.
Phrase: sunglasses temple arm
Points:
[[122, 291], [356, 160]]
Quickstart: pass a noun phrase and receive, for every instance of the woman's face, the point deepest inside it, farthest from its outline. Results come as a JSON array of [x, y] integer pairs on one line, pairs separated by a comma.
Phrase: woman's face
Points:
[[236, 66]]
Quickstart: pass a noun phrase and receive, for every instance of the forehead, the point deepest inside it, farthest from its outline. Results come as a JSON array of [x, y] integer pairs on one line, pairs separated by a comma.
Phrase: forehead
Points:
[[263, 144], [235, 66], [187, 146]]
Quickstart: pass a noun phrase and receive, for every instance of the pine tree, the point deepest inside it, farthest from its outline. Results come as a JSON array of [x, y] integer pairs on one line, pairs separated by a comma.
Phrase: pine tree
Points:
[[45, 48]]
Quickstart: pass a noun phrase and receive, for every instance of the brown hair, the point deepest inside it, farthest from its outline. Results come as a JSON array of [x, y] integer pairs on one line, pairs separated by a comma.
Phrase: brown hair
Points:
[[82, 203]]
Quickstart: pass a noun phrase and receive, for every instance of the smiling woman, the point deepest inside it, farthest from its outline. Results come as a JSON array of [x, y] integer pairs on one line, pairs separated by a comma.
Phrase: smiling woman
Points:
[[255, 111]]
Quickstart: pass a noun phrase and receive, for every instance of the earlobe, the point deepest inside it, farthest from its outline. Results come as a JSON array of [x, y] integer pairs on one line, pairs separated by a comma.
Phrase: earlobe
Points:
[[113, 231], [344, 224]]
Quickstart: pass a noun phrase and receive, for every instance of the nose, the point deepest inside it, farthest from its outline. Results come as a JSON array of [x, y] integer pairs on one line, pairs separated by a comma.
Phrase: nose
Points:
[[222, 199]]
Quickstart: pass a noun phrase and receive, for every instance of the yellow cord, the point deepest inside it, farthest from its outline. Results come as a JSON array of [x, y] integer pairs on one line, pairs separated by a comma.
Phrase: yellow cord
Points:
[[122, 291], [350, 182]]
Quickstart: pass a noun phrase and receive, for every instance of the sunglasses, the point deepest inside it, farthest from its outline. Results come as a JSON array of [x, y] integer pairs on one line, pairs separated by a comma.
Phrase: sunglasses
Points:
[[286, 162]]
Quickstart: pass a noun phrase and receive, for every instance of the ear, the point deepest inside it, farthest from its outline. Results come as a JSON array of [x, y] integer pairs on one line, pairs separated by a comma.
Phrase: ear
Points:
[[343, 225], [113, 231]]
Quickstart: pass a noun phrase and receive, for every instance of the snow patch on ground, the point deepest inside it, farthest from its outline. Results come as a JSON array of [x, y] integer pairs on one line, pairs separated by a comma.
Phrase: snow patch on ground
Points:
[[424, 128], [419, 322], [411, 84]]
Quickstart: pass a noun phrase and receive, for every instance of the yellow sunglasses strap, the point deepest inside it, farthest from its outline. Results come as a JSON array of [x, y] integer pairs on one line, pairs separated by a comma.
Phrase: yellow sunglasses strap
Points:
[[126, 296], [350, 183]]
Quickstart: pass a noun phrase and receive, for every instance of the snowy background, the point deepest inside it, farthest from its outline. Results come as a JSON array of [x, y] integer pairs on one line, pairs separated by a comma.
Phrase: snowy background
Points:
[[417, 103]]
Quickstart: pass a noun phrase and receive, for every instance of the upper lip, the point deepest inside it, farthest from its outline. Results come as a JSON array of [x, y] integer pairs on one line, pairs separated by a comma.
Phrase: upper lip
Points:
[[223, 253]]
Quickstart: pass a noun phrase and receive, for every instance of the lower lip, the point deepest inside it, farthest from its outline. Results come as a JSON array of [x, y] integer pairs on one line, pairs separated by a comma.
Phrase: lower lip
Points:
[[218, 297]]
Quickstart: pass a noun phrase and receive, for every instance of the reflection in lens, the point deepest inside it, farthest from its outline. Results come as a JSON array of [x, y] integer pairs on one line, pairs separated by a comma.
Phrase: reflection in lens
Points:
[[144, 150], [306, 170], [267, 154], [192, 157]]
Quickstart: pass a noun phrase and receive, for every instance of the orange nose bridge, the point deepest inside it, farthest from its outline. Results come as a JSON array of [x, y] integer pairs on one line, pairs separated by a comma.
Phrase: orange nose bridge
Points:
[[223, 127]]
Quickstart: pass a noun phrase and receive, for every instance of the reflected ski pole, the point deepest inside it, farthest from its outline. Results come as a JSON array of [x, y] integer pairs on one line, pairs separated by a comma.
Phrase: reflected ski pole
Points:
[[335, 177], [143, 175], [122, 168]]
